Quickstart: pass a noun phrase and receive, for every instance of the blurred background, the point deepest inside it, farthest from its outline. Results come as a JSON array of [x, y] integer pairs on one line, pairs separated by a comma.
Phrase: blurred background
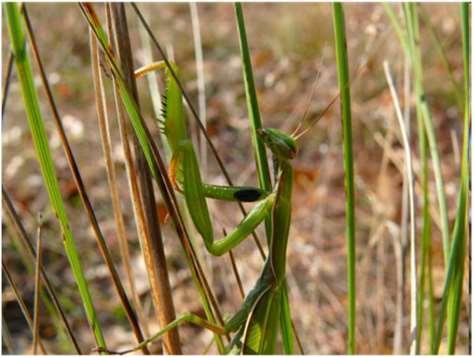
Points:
[[293, 56]]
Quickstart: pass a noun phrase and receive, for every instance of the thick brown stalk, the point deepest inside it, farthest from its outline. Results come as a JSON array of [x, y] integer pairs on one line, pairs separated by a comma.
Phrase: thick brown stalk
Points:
[[152, 244], [82, 191], [137, 204], [103, 122]]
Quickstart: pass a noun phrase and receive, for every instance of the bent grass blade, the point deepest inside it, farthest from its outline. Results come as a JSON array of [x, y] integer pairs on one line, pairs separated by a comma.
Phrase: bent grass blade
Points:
[[40, 141]]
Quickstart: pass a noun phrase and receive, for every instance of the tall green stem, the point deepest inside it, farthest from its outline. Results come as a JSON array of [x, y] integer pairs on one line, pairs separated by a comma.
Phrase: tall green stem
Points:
[[460, 226], [412, 31], [344, 88], [40, 141], [254, 113]]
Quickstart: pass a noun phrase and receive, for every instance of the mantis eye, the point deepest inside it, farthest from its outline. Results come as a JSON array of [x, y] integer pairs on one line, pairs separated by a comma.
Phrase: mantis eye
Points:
[[281, 144]]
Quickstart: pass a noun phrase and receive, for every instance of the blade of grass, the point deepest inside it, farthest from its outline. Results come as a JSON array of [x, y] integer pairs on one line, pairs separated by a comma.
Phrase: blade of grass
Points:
[[344, 87], [11, 225], [412, 33], [30, 97], [423, 109], [452, 291], [261, 160], [28, 248], [260, 154], [36, 305], [443, 55], [200, 83], [431, 302], [409, 38], [81, 189], [425, 261], [22, 304], [460, 231], [409, 170], [426, 223], [401, 34]]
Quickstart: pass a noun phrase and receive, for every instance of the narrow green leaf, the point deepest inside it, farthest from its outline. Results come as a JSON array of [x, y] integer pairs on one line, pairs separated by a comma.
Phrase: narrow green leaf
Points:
[[412, 30], [460, 231], [261, 160], [40, 141], [344, 88]]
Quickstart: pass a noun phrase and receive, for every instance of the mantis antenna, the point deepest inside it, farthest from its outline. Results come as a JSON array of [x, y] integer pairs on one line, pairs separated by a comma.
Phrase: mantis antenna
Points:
[[358, 74], [313, 90]]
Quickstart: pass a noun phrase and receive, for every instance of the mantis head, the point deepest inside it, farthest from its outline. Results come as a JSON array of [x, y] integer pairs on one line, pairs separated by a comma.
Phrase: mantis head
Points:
[[282, 145]]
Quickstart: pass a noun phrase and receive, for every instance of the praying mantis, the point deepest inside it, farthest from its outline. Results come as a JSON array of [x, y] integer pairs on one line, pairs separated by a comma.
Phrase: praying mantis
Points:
[[266, 306]]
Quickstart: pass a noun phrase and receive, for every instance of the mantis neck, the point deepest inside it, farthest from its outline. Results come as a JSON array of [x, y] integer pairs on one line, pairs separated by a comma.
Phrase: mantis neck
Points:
[[281, 221]]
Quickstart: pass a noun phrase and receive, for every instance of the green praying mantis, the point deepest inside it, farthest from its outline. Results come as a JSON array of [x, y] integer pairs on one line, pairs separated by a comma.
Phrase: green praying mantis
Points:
[[266, 306]]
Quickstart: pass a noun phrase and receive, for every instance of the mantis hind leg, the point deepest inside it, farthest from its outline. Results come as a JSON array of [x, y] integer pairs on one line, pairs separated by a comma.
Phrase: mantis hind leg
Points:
[[185, 318]]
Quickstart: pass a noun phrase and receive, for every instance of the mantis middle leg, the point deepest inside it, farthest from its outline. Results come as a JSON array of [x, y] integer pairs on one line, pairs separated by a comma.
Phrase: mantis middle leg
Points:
[[194, 192]]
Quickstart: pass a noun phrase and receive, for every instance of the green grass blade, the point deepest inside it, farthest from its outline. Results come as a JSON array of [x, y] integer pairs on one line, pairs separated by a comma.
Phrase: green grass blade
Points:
[[344, 87], [40, 141], [412, 31], [460, 227], [444, 58], [261, 160], [426, 266], [452, 292], [396, 25]]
